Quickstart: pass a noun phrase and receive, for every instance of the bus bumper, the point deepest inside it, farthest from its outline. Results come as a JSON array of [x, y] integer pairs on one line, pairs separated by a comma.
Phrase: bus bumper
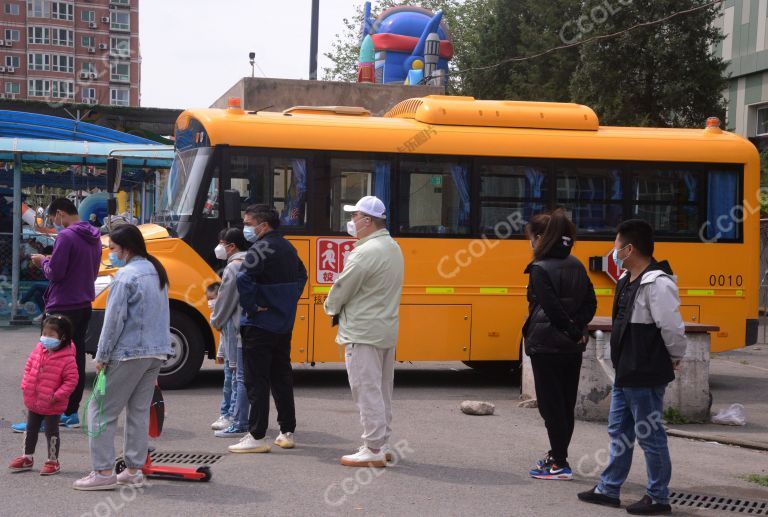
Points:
[[751, 335], [94, 331]]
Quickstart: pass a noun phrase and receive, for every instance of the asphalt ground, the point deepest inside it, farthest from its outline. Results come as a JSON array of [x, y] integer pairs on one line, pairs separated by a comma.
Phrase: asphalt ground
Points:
[[450, 463]]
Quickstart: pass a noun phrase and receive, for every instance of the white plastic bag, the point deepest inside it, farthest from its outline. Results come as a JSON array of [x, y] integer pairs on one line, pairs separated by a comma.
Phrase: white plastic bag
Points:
[[734, 415]]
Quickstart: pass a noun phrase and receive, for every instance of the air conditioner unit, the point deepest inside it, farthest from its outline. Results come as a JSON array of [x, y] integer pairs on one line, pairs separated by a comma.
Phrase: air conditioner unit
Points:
[[2, 42], [105, 19], [8, 43], [89, 100], [103, 46], [2, 69], [92, 76], [10, 70], [10, 95], [91, 50], [83, 75], [93, 25], [2, 96]]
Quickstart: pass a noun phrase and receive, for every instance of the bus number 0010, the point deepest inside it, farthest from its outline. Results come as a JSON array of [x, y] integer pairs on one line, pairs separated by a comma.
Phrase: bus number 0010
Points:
[[725, 280]]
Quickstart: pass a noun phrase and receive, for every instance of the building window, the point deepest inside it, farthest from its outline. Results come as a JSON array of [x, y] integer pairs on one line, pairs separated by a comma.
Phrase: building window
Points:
[[88, 41], [762, 121], [39, 62], [38, 35], [12, 88], [63, 89], [119, 97], [120, 2], [63, 37], [120, 72], [88, 68], [12, 62], [39, 88], [62, 11], [13, 10], [88, 16], [120, 47], [37, 9], [120, 21], [63, 63], [88, 93], [12, 35]]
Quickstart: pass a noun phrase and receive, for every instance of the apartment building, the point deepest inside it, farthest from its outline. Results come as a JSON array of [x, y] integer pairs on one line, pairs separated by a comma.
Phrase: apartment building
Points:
[[83, 51]]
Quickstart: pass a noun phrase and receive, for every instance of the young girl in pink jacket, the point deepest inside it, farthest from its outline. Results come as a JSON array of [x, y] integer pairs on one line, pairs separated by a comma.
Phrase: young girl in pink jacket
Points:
[[50, 377]]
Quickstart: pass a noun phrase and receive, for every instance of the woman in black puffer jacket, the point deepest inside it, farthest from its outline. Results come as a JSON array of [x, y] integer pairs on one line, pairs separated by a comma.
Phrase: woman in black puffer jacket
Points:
[[561, 303]]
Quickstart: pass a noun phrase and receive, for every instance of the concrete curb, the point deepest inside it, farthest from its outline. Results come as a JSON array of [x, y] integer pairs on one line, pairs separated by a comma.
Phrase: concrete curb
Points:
[[725, 440]]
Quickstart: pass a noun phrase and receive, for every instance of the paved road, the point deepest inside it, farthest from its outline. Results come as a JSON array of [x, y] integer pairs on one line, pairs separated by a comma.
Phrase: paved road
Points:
[[452, 464]]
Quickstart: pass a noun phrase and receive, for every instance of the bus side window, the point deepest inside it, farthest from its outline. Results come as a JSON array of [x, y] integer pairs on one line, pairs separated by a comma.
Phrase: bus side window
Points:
[[352, 179], [289, 176], [211, 206], [509, 196], [248, 175], [438, 197]]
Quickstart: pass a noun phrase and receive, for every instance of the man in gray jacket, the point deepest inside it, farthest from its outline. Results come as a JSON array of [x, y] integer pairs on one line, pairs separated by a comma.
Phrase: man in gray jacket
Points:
[[366, 300], [226, 319]]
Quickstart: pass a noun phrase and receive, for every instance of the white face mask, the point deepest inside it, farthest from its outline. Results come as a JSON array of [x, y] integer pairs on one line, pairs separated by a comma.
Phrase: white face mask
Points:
[[221, 252], [352, 228]]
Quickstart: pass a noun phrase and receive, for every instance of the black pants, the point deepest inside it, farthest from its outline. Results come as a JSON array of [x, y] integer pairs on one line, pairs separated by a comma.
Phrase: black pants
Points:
[[51, 434], [556, 377], [80, 319], [267, 366]]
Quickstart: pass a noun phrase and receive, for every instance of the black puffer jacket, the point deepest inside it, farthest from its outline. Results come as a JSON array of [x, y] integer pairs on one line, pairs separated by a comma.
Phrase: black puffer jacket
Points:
[[561, 303]]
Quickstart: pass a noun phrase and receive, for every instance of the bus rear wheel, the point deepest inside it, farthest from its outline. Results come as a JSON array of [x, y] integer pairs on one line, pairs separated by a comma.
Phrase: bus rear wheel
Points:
[[188, 353]]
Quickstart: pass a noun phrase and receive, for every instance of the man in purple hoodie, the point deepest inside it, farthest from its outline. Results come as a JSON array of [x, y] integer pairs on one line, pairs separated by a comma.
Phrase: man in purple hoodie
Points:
[[71, 272]]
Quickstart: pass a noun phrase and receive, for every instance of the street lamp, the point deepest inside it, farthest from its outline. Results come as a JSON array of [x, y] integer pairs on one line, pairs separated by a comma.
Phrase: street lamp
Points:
[[252, 58]]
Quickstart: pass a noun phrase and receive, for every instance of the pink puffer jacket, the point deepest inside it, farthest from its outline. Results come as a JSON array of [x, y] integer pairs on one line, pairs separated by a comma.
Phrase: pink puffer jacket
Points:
[[49, 379]]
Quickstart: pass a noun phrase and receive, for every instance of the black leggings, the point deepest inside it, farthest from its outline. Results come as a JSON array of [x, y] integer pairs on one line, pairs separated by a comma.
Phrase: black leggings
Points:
[[51, 434]]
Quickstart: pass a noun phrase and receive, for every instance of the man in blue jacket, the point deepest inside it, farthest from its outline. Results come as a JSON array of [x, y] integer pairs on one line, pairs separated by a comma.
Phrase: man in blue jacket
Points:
[[270, 284], [71, 271]]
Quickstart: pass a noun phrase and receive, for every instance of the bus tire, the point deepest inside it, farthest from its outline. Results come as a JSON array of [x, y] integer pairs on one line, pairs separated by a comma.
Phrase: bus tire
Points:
[[189, 352], [494, 367]]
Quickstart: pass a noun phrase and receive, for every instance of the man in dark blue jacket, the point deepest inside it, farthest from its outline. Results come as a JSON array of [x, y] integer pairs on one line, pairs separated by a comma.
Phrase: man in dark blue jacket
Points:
[[270, 284]]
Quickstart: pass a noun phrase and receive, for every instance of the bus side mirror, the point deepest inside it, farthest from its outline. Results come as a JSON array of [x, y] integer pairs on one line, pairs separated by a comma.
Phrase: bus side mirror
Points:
[[114, 172], [232, 206]]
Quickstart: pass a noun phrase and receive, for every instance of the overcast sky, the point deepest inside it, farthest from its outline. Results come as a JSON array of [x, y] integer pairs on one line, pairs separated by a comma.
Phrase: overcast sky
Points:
[[193, 51]]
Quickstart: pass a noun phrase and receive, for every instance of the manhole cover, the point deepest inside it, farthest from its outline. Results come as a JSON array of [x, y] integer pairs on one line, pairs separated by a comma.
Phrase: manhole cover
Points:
[[185, 458], [713, 502]]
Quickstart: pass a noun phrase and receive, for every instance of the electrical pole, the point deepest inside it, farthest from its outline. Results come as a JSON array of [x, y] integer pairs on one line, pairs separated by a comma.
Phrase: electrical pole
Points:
[[313, 40]]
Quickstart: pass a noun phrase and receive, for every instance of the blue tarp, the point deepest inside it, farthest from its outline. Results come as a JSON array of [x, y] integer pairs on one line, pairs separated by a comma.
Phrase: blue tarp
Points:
[[20, 124]]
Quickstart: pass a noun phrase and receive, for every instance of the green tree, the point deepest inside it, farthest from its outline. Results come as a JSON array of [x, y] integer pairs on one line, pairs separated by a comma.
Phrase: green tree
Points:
[[663, 75]]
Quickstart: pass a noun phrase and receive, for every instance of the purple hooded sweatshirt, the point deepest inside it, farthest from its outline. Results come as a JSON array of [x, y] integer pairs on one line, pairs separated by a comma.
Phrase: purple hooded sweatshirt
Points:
[[72, 268]]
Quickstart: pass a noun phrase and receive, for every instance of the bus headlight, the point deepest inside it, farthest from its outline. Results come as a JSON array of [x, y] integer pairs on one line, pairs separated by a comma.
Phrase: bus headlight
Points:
[[101, 283]]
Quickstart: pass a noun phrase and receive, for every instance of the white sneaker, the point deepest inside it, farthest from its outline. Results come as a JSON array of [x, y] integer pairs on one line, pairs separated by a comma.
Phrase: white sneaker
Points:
[[221, 423], [285, 441], [250, 444], [365, 457]]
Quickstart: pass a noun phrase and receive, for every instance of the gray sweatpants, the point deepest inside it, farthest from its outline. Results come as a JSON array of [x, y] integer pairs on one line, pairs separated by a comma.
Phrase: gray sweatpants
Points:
[[371, 372], [130, 385]]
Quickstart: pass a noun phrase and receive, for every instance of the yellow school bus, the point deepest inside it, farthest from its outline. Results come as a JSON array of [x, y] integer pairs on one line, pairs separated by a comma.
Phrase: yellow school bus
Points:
[[459, 178]]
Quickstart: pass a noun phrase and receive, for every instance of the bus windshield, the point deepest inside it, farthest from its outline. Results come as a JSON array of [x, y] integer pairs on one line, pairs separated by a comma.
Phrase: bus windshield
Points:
[[177, 195]]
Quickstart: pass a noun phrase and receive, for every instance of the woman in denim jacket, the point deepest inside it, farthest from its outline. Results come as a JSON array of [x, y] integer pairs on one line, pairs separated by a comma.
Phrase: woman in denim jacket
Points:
[[134, 342]]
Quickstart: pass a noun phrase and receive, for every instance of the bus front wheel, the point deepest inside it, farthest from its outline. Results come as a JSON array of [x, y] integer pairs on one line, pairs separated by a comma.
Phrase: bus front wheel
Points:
[[187, 355]]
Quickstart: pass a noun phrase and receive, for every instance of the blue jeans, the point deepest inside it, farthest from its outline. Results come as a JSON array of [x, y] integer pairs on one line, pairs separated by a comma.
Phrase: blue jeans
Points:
[[242, 406], [229, 399], [636, 413]]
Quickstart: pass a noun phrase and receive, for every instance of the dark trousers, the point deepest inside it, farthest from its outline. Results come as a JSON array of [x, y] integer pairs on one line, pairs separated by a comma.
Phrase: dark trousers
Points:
[[267, 367], [51, 434], [556, 377], [80, 319]]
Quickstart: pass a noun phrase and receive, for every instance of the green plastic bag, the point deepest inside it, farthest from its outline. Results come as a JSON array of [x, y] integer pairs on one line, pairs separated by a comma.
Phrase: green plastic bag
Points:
[[97, 393]]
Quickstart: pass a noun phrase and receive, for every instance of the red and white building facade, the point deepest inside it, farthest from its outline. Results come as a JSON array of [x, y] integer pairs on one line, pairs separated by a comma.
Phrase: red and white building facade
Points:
[[83, 51]]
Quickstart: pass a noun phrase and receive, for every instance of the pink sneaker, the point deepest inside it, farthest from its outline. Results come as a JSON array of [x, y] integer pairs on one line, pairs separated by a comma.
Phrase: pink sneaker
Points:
[[21, 464], [134, 480], [50, 468], [95, 481]]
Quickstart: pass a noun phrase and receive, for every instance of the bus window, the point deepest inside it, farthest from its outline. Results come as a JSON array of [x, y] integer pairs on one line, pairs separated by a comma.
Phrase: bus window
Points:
[[722, 196], [510, 194], [248, 175], [352, 179], [437, 198], [668, 199], [591, 196], [211, 206], [289, 191]]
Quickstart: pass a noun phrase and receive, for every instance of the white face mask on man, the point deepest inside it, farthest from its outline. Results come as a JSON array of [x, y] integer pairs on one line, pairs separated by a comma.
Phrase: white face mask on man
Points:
[[221, 252]]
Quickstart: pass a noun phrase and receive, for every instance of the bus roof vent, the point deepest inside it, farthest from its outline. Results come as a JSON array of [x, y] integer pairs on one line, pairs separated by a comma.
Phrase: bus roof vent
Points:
[[354, 111], [466, 111]]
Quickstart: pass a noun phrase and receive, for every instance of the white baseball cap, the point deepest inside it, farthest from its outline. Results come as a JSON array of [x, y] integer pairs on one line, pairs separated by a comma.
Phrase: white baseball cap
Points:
[[368, 205]]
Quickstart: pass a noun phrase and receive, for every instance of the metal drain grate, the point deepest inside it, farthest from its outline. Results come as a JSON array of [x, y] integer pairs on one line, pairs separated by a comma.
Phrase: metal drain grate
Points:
[[710, 502], [185, 458]]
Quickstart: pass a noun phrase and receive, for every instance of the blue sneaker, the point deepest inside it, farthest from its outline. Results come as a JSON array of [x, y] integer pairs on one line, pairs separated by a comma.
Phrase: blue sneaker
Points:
[[230, 432], [70, 421], [552, 471], [21, 427], [546, 460]]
